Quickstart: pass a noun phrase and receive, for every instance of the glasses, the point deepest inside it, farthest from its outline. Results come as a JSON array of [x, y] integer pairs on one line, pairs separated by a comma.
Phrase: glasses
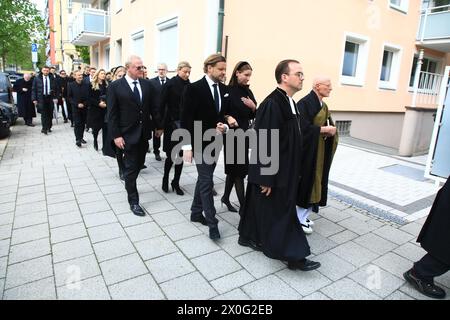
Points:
[[162, 70], [139, 68], [298, 74]]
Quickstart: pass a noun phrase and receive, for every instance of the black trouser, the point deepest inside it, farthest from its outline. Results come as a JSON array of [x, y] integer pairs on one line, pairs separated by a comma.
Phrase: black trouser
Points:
[[47, 113], [429, 267], [133, 160], [203, 196], [178, 168], [156, 143], [79, 118], [120, 164], [28, 120]]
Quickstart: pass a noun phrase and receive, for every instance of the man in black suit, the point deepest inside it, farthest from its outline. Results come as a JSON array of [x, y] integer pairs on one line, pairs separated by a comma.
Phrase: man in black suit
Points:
[[78, 97], [44, 96], [132, 116], [157, 83], [207, 101]]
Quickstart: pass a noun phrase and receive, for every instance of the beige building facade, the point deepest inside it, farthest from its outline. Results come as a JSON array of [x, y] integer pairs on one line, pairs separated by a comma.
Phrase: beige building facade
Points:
[[370, 49]]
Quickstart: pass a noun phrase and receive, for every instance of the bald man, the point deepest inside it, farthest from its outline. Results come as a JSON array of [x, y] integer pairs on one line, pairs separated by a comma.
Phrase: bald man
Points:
[[25, 106], [319, 145]]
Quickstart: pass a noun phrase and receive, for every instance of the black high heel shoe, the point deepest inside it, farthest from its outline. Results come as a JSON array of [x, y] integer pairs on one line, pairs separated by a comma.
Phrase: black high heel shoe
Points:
[[176, 187], [165, 185], [228, 204]]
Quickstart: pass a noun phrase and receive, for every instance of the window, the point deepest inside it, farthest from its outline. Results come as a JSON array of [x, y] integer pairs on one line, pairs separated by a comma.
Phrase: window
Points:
[[168, 43], [138, 44], [107, 55], [69, 6], [428, 65], [119, 4], [355, 60], [400, 5], [390, 66], [119, 52]]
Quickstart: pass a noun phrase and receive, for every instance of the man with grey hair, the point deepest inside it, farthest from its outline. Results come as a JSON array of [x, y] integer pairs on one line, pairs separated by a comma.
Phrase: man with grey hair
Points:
[[319, 145], [132, 115], [25, 105], [158, 82]]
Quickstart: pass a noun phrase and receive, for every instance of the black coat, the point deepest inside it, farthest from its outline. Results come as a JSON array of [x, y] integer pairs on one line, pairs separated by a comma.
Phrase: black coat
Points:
[[25, 105], [243, 115], [78, 93], [198, 105], [129, 118], [96, 114], [170, 106], [38, 89], [272, 221], [309, 106], [435, 234]]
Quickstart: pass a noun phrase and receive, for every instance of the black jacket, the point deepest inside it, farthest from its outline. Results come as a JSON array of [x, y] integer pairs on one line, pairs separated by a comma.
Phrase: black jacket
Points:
[[129, 118], [37, 93], [198, 105], [158, 88], [78, 93]]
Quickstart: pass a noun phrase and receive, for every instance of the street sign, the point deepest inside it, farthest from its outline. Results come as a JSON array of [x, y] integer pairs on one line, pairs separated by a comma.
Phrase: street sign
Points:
[[34, 53]]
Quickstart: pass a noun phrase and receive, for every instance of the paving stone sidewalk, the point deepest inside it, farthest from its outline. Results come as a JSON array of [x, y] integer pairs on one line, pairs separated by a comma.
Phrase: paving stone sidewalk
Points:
[[66, 232]]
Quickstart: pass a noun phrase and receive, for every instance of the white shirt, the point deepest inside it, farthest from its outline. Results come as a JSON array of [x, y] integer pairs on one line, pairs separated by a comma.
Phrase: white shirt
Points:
[[131, 84], [46, 85], [210, 83]]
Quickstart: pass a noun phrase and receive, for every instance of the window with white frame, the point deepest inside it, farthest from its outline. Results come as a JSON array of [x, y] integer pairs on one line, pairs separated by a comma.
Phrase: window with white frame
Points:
[[354, 63], [401, 5], [390, 67], [119, 4], [138, 44], [168, 43]]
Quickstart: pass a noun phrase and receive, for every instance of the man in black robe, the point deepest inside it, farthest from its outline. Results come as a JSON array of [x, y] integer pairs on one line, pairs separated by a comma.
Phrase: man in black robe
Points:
[[269, 221], [435, 239], [319, 145], [25, 105]]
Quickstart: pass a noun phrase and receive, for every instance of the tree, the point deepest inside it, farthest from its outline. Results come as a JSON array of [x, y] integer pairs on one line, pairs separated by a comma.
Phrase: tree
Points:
[[84, 54], [20, 25]]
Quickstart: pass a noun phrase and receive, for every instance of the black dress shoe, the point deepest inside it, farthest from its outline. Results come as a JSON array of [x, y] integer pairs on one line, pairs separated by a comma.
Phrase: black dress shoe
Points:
[[137, 210], [200, 219], [214, 233], [65, 121], [78, 143], [144, 167], [429, 289], [157, 157], [83, 141], [44, 131], [249, 243], [304, 265]]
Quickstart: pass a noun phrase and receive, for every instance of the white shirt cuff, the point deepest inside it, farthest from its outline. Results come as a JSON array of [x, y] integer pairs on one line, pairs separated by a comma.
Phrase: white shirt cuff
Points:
[[226, 127], [187, 147]]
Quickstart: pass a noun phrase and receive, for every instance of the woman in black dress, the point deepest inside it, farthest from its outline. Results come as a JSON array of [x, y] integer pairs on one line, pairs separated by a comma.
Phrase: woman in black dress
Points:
[[243, 108], [97, 104], [171, 95]]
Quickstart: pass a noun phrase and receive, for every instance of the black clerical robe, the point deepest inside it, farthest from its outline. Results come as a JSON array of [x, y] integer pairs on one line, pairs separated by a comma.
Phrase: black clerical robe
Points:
[[317, 154], [272, 221]]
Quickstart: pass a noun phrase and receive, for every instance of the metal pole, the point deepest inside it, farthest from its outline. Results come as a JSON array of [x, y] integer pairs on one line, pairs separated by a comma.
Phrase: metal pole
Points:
[[220, 25], [417, 77]]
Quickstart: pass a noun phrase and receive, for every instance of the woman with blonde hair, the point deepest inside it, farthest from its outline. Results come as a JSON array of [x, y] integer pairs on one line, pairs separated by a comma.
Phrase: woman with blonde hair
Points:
[[171, 111], [97, 104]]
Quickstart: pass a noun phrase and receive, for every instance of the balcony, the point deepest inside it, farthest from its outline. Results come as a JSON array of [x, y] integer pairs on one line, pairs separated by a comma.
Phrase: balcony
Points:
[[434, 28], [89, 26]]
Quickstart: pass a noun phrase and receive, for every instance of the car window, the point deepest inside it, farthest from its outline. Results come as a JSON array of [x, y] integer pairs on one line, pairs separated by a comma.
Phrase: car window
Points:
[[4, 81]]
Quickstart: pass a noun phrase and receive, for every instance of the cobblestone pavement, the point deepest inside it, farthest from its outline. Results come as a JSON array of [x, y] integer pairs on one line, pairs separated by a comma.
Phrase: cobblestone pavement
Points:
[[66, 232]]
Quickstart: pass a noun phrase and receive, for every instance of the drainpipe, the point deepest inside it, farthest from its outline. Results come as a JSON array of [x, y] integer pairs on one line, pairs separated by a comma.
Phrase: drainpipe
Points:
[[220, 25]]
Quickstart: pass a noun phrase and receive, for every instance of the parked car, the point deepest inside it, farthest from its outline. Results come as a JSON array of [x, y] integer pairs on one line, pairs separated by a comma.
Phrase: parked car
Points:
[[5, 88], [4, 125], [13, 77], [10, 111]]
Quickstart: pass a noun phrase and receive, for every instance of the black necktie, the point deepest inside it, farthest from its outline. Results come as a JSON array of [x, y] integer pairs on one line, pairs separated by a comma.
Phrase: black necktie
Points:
[[162, 81], [136, 92], [216, 98]]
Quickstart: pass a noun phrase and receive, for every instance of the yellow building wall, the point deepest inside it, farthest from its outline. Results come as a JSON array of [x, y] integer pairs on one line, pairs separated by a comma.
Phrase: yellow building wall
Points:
[[314, 33]]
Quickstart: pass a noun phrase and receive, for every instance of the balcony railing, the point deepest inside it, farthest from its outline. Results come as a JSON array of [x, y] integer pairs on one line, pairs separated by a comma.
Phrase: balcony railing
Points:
[[428, 90], [89, 26], [434, 24]]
